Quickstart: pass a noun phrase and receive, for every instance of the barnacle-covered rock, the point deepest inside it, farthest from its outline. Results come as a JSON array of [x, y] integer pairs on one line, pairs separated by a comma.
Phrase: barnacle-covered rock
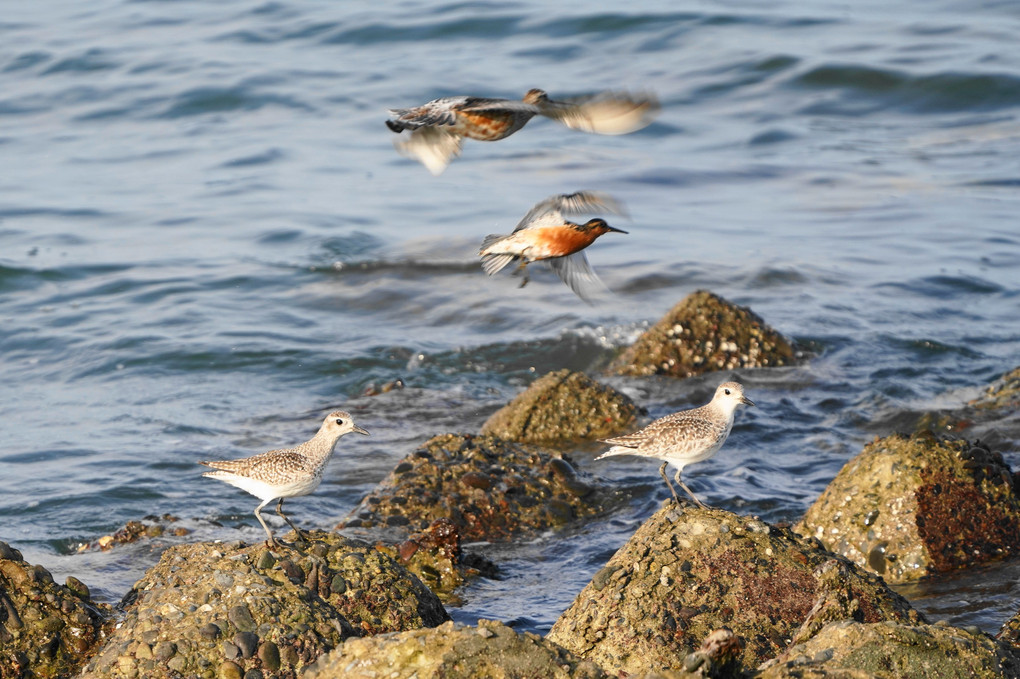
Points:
[[563, 406], [907, 507], [702, 334], [221, 610], [491, 489], [454, 652], [46, 630], [687, 572]]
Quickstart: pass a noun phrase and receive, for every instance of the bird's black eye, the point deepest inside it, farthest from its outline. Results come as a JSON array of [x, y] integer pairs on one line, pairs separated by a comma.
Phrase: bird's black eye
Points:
[[726, 390], [339, 421]]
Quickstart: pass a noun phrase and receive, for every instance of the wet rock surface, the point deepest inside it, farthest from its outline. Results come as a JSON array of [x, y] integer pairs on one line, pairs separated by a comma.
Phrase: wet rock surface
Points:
[[147, 528], [993, 417], [490, 489], [563, 406], [701, 334], [454, 652], [224, 610], [435, 556], [687, 572], [907, 507], [1010, 632], [890, 649], [47, 630]]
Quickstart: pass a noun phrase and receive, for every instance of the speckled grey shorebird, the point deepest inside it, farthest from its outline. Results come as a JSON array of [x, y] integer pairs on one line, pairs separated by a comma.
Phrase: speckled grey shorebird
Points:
[[438, 126], [544, 234], [289, 472], [685, 437]]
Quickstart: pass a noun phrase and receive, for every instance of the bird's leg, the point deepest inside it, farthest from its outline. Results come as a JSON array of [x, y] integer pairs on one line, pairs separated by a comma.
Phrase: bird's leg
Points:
[[522, 268], [271, 542], [301, 535], [662, 472], [684, 486]]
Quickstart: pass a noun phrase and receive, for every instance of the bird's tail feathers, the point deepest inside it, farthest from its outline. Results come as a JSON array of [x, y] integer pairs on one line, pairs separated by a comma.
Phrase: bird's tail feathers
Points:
[[495, 262], [616, 450]]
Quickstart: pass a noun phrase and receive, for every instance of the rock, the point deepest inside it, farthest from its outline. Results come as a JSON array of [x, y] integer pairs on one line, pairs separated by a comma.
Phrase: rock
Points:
[[263, 621], [891, 649], [907, 507], [435, 556], [46, 630], [993, 417], [687, 572], [563, 406], [147, 528], [1004, 393], [528, 490], [453, 652], [1010, 632], [701, 334]]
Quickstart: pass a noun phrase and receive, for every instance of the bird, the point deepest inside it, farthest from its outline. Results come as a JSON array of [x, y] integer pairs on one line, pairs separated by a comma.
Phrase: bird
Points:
[[438, 126], [544, 234], [685, 437], [290, 472]]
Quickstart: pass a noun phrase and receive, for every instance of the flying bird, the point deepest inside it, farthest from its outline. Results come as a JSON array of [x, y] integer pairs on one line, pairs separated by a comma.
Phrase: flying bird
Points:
[[438, 127], [545, 234]]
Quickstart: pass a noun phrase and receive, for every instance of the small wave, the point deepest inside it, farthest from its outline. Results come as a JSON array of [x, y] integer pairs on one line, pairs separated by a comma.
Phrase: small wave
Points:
[[865, 88], [202, 100]]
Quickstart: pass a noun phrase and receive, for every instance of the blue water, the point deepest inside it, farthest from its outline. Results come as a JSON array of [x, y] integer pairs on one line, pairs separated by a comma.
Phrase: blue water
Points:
[[207, 240]]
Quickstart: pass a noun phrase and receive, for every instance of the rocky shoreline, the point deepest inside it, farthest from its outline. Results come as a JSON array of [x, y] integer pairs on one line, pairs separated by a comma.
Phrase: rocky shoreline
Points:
[[694, 592]]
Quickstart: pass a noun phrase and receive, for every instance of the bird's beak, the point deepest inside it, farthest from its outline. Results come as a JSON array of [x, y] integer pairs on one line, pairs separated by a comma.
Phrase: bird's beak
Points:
[[613, 228], [359, 430], [746, 401]]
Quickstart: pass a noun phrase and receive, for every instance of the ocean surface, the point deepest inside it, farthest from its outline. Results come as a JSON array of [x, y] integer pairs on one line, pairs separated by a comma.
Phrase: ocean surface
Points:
[[207, 240]]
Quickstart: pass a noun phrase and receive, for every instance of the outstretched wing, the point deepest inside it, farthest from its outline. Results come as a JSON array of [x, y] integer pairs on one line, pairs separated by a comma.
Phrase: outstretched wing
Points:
[[551, 210], [433, 147], [436, 112], [604, 113], [575, 271]]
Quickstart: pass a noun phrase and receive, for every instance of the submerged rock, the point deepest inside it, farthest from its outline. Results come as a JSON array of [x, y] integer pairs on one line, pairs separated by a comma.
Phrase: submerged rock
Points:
[[46, 630], [890, 649], [994, 417], [435, 556], [701, 334], [147, 528], [212, 609], [563, 406], [686, 572], [907, 507], [1010, 632], [1003, 393], [490, 489], [454, 652]]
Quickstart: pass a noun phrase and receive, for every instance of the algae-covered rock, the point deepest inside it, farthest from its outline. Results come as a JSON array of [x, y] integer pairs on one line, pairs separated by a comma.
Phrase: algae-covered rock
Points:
[[435, 556], [907, 507], [1010, 632], [489, 488], [211, 609], [891, 649], [147, 528], [46, 630], [687, 572], [454, 652], [1003, 393], [563, 406], [701, 334]]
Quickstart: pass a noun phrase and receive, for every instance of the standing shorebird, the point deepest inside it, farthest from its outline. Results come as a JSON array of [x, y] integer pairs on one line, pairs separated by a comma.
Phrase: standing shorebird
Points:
[[290, 472], [544, 234], [685, 437], [438, 127]]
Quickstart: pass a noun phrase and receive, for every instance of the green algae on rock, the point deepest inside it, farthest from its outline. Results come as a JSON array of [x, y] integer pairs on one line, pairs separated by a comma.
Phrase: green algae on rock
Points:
[[907, 507], [688, 571], [704, 333], [454, 652], [212, 609], [435, 556], [563, 406], [491, 489], [891, 649], [1010, 632], [46, 630]]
